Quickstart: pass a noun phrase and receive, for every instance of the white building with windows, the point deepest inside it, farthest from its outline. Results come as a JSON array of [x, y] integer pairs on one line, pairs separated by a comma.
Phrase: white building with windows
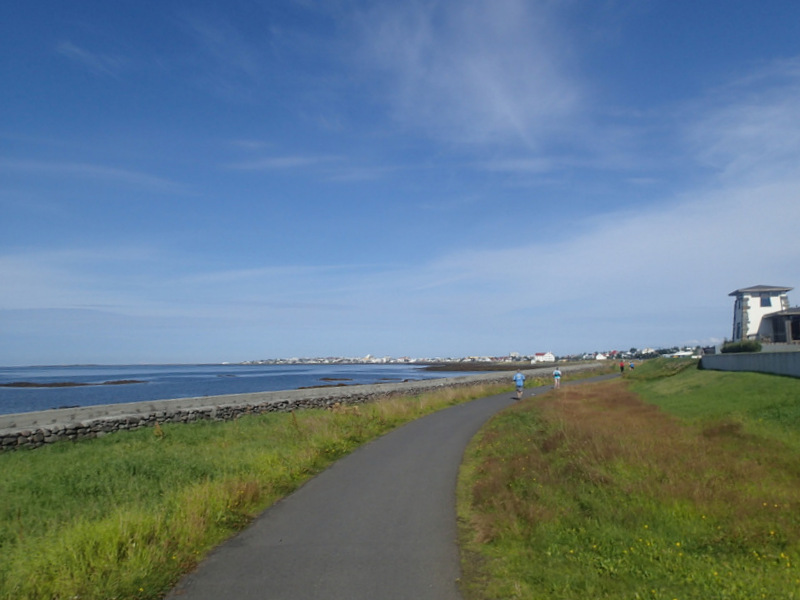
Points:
[[542, 357], [755, 310]]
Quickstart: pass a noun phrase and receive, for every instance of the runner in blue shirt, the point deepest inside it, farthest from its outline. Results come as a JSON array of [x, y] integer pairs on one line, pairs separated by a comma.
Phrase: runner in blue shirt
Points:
[[519, 379], [557, 378]]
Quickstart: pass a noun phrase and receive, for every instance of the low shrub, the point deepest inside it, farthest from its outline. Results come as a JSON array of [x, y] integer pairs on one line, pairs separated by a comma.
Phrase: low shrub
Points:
[[742, 346]]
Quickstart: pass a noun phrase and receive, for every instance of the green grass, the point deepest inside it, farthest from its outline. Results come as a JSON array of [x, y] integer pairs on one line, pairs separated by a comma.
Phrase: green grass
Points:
[[700, 394], [125, 515], [673, 483]]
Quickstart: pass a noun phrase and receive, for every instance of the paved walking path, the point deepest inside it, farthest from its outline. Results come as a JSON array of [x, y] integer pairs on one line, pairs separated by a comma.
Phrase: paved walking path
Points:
[[379, 524]]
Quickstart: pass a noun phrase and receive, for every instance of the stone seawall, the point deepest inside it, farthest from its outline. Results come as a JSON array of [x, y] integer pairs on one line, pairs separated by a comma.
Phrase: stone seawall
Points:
[[31, 430]]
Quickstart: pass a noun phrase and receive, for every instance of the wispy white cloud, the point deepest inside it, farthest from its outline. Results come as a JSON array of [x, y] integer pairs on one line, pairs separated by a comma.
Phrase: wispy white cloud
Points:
[[328, 167], [663, 270], [72, 278], [148, 282], [751, 128], [354, 173], [682, 248], [96, 62], [225, 62], [274, 163], [250, 144], [104, 173], [522, 165], [659, 275], [473, 71], [225, 45], [492, 83]]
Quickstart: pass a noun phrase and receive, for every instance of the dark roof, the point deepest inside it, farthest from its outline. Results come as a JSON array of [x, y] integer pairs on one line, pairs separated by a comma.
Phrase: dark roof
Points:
[[760, 288], [789, 312]]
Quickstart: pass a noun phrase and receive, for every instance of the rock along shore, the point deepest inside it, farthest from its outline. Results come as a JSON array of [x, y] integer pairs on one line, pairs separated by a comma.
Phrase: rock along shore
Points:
[[34, 429]]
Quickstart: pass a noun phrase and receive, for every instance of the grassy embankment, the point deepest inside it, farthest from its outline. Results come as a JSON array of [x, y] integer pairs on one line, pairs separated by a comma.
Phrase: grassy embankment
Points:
[[673, 483], [123, 516]]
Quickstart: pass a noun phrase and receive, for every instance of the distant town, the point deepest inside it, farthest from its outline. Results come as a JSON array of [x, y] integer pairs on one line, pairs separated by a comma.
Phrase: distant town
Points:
[[513, 357], [761, 313]]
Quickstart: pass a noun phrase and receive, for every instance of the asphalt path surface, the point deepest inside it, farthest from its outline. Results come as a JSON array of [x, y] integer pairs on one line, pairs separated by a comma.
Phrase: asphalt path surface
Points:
[[379, 524]]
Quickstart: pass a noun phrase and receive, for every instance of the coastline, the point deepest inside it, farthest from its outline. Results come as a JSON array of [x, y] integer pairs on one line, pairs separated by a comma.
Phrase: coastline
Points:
[[34, 429], [32, 389]]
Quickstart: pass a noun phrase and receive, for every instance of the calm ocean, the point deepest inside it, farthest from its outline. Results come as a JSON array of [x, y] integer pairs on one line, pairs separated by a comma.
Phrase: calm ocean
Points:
[[164, 382]]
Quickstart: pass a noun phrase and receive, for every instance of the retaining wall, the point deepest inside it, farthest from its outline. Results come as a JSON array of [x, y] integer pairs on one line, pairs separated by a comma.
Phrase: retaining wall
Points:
[[776, 363]]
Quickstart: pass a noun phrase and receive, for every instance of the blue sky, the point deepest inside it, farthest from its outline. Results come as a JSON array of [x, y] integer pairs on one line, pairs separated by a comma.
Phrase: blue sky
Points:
[[223, 181]]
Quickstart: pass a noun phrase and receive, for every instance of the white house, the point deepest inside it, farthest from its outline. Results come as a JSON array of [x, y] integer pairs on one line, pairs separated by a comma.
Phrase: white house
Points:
[[751, 307], [542, 357]]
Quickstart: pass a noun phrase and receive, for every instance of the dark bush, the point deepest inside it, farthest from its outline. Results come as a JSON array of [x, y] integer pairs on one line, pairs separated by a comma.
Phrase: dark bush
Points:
[[743, 346]]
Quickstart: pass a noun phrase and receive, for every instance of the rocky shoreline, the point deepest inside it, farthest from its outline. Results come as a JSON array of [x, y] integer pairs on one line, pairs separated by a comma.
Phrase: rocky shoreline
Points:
[[60, 384], [32, 430]]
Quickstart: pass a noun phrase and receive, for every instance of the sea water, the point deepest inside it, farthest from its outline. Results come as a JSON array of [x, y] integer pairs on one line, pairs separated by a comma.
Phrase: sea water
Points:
[[164, 382]]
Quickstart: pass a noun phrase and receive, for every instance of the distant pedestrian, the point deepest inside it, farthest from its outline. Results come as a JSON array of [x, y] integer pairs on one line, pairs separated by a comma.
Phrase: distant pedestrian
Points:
[[557, 378], [632, 365], [621, 367], [519, 380]]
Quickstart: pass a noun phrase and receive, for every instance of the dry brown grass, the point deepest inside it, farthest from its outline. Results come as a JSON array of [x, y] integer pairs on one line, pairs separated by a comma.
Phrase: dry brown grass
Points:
[[604, 438], [590, 492]]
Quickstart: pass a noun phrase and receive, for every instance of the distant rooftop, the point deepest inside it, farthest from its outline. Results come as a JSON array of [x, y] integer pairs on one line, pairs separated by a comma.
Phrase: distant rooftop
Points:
[[761, 289]]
